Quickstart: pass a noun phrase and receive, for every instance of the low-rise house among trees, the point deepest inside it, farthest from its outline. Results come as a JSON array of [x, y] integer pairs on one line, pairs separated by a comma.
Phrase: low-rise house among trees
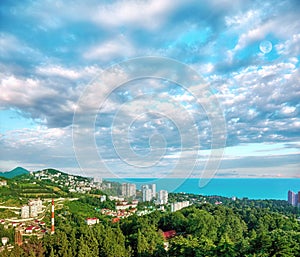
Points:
[[91, 221]]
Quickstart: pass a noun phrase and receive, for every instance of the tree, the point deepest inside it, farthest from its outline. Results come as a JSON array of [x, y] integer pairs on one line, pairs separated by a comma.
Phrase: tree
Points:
[[225, 247], [84, 249]]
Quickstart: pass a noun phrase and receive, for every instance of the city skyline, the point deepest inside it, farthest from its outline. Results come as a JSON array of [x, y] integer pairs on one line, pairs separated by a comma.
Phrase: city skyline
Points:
[[247, 53]]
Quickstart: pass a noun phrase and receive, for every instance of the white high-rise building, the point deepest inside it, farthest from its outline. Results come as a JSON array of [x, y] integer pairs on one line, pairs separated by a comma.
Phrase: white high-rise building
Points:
[[128, 189], [153, 188], [25, 212], [293, 198], [97, 180], [36, 202], [147, 193], [162, 197], [35, 206], [124, 189], [179, 205], [33, 211]]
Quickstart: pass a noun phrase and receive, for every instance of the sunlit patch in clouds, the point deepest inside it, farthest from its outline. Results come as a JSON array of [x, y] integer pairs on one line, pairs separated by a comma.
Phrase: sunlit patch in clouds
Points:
[[248, 52]]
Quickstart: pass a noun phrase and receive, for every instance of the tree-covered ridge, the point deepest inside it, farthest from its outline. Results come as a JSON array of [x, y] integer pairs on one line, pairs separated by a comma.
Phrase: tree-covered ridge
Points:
[[239, 229]]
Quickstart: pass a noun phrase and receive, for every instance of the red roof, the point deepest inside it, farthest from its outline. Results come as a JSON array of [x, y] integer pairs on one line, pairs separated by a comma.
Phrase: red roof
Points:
[[91, 218], [169, 234], [114, 220], [30, 228]]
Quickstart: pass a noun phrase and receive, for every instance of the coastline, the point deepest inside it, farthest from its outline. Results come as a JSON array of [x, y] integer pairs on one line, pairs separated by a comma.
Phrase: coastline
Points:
[[252, 188]]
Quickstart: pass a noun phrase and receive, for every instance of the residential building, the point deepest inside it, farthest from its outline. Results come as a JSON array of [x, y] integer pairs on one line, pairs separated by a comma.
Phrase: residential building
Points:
[[97, 180], [33, 211], [124, 206], [29, 229], [91, 221], [153, 188], [128, 190], [179, 205], [116, 198], [162, 197], [25, 212], [3, 182], [38, 203], [293, 198], [147, 193]]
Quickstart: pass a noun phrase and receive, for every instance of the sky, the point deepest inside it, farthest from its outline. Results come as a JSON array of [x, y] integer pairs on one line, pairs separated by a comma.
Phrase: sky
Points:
[[151, 88]]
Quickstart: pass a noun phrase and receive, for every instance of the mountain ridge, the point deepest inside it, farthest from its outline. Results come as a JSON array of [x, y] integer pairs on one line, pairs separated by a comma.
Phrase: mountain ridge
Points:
[[18, 171]]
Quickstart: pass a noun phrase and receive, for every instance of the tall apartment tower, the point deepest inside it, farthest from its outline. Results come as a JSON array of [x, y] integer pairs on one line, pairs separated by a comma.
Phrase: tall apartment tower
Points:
[[153, 188], [147, 193], [294, 199], [291, 197], [128, 189], [162, 197]]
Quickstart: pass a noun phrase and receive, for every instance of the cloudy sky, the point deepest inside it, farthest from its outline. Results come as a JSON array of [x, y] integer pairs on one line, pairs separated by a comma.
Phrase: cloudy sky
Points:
[[158, 88]]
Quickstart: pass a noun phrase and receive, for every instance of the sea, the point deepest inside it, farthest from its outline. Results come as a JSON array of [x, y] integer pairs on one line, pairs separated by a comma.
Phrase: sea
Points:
[[252, 188]]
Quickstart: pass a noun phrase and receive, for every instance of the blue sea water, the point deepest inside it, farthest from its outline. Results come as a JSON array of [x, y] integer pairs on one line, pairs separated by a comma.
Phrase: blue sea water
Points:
[[253, 188]]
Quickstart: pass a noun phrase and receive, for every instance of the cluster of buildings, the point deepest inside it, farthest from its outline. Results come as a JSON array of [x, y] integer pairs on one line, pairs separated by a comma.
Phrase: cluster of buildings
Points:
[[179, 205], [124, 205], [294, 198], [148, 192], [74, 183], [32, 209], [128, 190], [124, 209], [33, 226], [120, 213]]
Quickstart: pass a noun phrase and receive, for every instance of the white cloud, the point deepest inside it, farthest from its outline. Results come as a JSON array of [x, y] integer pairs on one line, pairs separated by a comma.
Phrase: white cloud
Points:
[[59, 71], [106, 51], [144, 14], [148, 14], [22, 91], [282, 26], [288, 109], [290, 46]]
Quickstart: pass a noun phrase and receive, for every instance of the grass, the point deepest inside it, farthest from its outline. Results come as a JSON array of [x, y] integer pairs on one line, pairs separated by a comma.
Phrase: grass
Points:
[[82, 209]]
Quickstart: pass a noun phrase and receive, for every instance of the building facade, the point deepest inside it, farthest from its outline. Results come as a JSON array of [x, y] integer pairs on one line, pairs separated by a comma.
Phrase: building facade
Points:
[[3, 182], [128, 190], [153, 188], [294, 198], [179, 205], [25, 212], [162, 197], [147, 193]]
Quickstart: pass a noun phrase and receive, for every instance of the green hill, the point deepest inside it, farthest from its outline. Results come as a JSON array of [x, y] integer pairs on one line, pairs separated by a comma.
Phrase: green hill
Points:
[[18, 171]]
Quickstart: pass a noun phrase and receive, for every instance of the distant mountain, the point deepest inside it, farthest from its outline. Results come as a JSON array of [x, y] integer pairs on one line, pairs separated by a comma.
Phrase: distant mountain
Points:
[[55, 172], [52, 171], [18, 171]]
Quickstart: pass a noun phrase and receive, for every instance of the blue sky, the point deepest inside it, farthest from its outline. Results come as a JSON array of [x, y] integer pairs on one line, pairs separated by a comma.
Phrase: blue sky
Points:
[[246, 52]]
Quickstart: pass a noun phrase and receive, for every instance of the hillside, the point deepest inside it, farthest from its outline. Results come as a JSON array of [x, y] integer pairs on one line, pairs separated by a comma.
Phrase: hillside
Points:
[[18, 171]]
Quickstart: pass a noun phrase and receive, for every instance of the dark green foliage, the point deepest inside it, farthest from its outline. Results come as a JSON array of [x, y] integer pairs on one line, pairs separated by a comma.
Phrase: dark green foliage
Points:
[[202, 230]]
